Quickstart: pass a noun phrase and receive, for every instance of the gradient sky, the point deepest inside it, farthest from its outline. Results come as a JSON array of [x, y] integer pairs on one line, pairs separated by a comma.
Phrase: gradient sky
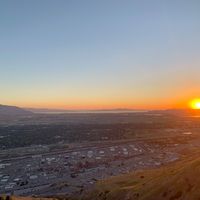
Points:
[[70, 54]]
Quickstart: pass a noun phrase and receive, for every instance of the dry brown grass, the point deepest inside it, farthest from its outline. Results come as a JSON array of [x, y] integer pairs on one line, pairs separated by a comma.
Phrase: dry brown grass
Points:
[[179, 182], [25, 198]]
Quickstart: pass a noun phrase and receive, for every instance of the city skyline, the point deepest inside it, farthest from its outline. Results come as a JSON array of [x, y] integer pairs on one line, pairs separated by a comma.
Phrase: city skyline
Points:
[[99, 55]]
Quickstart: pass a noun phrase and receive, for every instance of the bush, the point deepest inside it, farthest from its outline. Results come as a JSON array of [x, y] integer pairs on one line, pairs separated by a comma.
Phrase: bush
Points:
[[164, 194], [176, 196], [107, 191], [8, 198], [58, 198], [48, 196], [73, 175]]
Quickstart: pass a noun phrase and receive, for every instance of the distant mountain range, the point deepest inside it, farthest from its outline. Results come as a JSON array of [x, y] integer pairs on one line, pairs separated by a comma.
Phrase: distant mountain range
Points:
[[13, 110], [168, 111], [176, 111], [120, 109], [40, 110]]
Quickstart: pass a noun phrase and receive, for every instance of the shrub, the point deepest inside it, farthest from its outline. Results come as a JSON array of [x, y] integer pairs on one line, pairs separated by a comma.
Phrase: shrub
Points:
[[164, 194], [107, 191], [8, 198]]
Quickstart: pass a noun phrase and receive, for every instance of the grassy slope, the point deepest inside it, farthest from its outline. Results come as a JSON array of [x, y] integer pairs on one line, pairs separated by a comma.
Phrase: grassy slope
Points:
[[179, 182], [33, 198], [25, 198]]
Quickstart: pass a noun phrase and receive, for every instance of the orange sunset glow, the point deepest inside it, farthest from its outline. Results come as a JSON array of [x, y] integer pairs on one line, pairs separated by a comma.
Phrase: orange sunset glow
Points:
[[83, 60], [195, 104]]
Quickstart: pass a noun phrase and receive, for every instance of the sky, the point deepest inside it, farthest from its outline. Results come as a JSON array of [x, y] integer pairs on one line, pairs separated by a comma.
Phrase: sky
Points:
[[99, 54]]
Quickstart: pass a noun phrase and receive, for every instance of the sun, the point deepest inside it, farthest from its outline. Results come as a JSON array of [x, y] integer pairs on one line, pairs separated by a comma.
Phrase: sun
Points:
[[195, 104]]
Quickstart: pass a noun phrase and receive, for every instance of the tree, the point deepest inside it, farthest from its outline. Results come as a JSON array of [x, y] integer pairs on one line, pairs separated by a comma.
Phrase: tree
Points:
[[8, 198], [80, 165], [73, 175]]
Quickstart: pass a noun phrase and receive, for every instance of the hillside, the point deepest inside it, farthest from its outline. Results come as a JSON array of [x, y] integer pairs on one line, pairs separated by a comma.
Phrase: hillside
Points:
[[23, 198], [31, 198], [13, 110], [178, 182]]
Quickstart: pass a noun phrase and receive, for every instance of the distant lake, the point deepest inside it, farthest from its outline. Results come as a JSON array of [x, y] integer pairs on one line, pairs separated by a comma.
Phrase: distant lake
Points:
[[98, 112]]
